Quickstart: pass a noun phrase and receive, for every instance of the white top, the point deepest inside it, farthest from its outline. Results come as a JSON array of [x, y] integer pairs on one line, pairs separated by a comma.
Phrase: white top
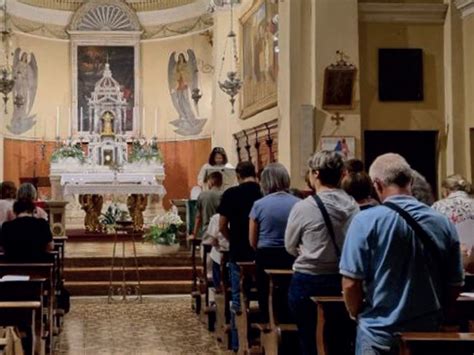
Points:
[[5, 206], [212, 232]]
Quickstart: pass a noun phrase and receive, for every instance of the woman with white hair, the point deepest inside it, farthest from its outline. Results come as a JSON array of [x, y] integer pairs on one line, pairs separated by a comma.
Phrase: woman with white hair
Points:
[[315, 234], [27, 237], [268, 219]]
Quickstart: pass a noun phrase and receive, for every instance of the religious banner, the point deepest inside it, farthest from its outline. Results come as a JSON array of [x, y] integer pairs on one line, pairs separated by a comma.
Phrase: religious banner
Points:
[[259, 57], [91, 63], [342, 144]]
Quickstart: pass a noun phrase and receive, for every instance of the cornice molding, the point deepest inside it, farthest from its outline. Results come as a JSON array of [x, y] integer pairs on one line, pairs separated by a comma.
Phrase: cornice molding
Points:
[[466, 7], [403, 13]]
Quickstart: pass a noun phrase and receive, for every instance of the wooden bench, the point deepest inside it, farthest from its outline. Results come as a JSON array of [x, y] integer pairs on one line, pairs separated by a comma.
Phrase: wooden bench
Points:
[[22, 314], [436, 343], [207, 314], [44, 271], [222, 327], [280, 337], [333, 318], [195, 291], [27, 291], [249, 311]]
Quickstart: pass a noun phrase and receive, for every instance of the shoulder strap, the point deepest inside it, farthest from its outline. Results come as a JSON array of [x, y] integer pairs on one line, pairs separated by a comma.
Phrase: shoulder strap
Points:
[[328, 223], [426, 240]]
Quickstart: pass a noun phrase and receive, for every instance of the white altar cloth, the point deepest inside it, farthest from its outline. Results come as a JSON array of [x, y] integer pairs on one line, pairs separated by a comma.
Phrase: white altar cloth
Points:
[[115, 189]]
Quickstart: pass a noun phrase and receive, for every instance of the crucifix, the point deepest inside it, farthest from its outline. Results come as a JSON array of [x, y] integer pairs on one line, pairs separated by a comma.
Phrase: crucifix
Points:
[[338, 118]]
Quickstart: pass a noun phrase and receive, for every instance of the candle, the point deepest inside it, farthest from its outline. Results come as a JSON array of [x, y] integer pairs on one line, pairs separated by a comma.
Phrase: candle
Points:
[[156, 122], [81, 116], [57, 121], [143, 120], [69, 124]]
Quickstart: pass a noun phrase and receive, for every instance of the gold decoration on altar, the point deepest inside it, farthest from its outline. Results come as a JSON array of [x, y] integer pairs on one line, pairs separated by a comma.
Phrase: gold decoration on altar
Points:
[[136, 204], [107, 125], [92, 205]]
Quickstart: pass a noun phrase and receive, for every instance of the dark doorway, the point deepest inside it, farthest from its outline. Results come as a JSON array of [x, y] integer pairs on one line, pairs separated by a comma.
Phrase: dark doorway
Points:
[[417, 147]]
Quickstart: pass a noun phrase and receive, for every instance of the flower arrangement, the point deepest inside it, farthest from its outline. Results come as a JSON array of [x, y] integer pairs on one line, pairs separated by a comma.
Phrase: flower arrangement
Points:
[[142, 151], [68, 151], [112, 215], [164, 229]]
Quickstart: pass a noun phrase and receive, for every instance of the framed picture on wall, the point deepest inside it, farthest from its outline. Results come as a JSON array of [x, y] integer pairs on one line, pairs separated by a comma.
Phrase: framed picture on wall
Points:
[[259, 53], [338, 90], [343, 144]]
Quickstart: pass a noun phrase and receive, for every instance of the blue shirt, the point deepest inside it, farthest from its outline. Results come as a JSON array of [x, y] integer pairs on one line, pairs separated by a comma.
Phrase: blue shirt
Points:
[[271, 213], [402, 283]]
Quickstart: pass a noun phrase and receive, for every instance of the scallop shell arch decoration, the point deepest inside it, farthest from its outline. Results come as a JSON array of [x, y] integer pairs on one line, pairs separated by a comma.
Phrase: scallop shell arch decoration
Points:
[[105, 15]]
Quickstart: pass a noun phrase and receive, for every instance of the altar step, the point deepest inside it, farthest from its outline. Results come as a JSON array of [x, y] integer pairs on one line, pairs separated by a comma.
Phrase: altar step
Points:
[[100, 288]]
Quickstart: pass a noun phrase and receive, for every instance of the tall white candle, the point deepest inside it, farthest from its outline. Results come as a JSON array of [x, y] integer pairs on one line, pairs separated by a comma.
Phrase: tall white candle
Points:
[[143, 121], [156, 122], [81, 117], [57, 121], [69, 123]]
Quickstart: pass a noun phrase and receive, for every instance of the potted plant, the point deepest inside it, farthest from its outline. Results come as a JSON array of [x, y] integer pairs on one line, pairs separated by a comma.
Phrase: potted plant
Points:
[[162, 233], [112, 215]]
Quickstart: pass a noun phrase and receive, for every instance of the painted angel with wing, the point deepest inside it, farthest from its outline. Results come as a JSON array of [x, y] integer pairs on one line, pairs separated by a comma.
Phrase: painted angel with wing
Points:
[[25, 71], [182, 80]]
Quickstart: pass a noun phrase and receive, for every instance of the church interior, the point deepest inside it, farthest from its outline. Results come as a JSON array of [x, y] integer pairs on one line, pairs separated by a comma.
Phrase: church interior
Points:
[[128, 118]]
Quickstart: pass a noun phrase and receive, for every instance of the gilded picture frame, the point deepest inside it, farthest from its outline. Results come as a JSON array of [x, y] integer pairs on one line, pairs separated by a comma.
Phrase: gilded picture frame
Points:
[[259, 53]]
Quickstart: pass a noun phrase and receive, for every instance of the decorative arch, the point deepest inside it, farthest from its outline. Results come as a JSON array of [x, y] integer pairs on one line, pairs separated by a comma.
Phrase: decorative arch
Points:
[[105, 15]]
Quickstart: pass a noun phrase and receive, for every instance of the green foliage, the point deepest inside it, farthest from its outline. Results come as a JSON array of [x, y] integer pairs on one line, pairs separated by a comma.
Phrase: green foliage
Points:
[[68, 151], [161, 235], [144, 152], [112, 215]]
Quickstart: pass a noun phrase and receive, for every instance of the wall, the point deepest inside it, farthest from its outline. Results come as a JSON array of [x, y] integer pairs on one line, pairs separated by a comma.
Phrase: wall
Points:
[[428, 114]]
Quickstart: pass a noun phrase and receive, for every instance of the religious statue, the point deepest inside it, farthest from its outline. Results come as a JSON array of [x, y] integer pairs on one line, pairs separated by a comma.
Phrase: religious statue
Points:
[[92, 205], [136, 204], [107, 124]]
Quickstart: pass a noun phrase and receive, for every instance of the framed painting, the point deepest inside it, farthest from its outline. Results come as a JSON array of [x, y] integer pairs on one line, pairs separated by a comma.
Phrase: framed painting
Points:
[[342, 144], [90, 52], [259, 53], [338, 91], [91, 61]]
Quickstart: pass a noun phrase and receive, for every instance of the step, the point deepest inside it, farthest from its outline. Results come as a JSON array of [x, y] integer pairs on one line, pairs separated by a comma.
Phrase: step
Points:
[[156, 273], [175, 260], [97, 288]]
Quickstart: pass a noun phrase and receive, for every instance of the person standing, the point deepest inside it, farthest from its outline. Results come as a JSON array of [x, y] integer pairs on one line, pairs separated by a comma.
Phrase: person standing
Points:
[[314, 235], [217, 159], [401, 262], [268, 219], [234, 211]]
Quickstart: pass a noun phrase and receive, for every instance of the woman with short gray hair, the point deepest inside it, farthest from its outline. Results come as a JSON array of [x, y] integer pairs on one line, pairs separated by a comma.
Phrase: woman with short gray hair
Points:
[[267, 226], [314, 235]]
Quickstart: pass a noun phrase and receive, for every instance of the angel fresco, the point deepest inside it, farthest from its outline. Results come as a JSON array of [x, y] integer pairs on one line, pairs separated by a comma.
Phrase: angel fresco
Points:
[[25, 71], [182, 80]]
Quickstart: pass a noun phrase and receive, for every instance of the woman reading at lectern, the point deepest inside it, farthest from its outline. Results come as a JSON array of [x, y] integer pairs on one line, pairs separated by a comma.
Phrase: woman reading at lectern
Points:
[[217, 159]]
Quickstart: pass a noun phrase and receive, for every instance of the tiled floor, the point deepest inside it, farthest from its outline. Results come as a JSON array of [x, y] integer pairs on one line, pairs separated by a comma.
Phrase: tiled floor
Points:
[[159, 325]]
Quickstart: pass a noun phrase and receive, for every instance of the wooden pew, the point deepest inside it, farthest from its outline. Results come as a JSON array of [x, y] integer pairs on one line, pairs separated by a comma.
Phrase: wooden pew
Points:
[[21, 314], [38, 271], [280, 337], [195, 291], [207, 314], [247, 319], [27, 291], [222, 327], [436, 343]]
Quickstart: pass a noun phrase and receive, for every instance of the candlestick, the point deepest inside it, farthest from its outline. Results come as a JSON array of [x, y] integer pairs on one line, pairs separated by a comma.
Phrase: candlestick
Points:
[[156, 122], [143, 120], [69, 124], [81, 116]]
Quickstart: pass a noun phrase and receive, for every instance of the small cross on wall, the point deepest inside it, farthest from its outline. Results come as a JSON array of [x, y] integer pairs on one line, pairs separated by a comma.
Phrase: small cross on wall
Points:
[[337, 118]]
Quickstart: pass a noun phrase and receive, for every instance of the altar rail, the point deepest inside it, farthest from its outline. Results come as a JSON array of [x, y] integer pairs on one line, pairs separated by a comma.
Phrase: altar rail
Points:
[[137, 5]]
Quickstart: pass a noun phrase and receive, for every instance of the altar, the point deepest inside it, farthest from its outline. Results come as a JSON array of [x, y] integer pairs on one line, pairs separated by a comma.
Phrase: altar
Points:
[[106, 165]]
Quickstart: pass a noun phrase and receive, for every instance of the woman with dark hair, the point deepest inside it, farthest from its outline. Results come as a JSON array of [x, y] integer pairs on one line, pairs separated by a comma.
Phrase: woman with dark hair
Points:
[[26, 238], [267, 226], [217, 159], [359, 186]]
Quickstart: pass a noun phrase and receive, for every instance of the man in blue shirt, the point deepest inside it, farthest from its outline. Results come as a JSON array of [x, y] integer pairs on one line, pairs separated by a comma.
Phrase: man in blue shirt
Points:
[[392, 282]]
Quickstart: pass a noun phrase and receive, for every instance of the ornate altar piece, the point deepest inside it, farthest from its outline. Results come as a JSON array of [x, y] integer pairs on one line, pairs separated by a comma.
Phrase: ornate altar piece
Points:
[[108, 168]]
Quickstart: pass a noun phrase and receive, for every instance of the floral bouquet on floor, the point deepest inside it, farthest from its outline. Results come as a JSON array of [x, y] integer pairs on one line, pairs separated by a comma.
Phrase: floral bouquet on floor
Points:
[[164, 229], [112, 215]]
